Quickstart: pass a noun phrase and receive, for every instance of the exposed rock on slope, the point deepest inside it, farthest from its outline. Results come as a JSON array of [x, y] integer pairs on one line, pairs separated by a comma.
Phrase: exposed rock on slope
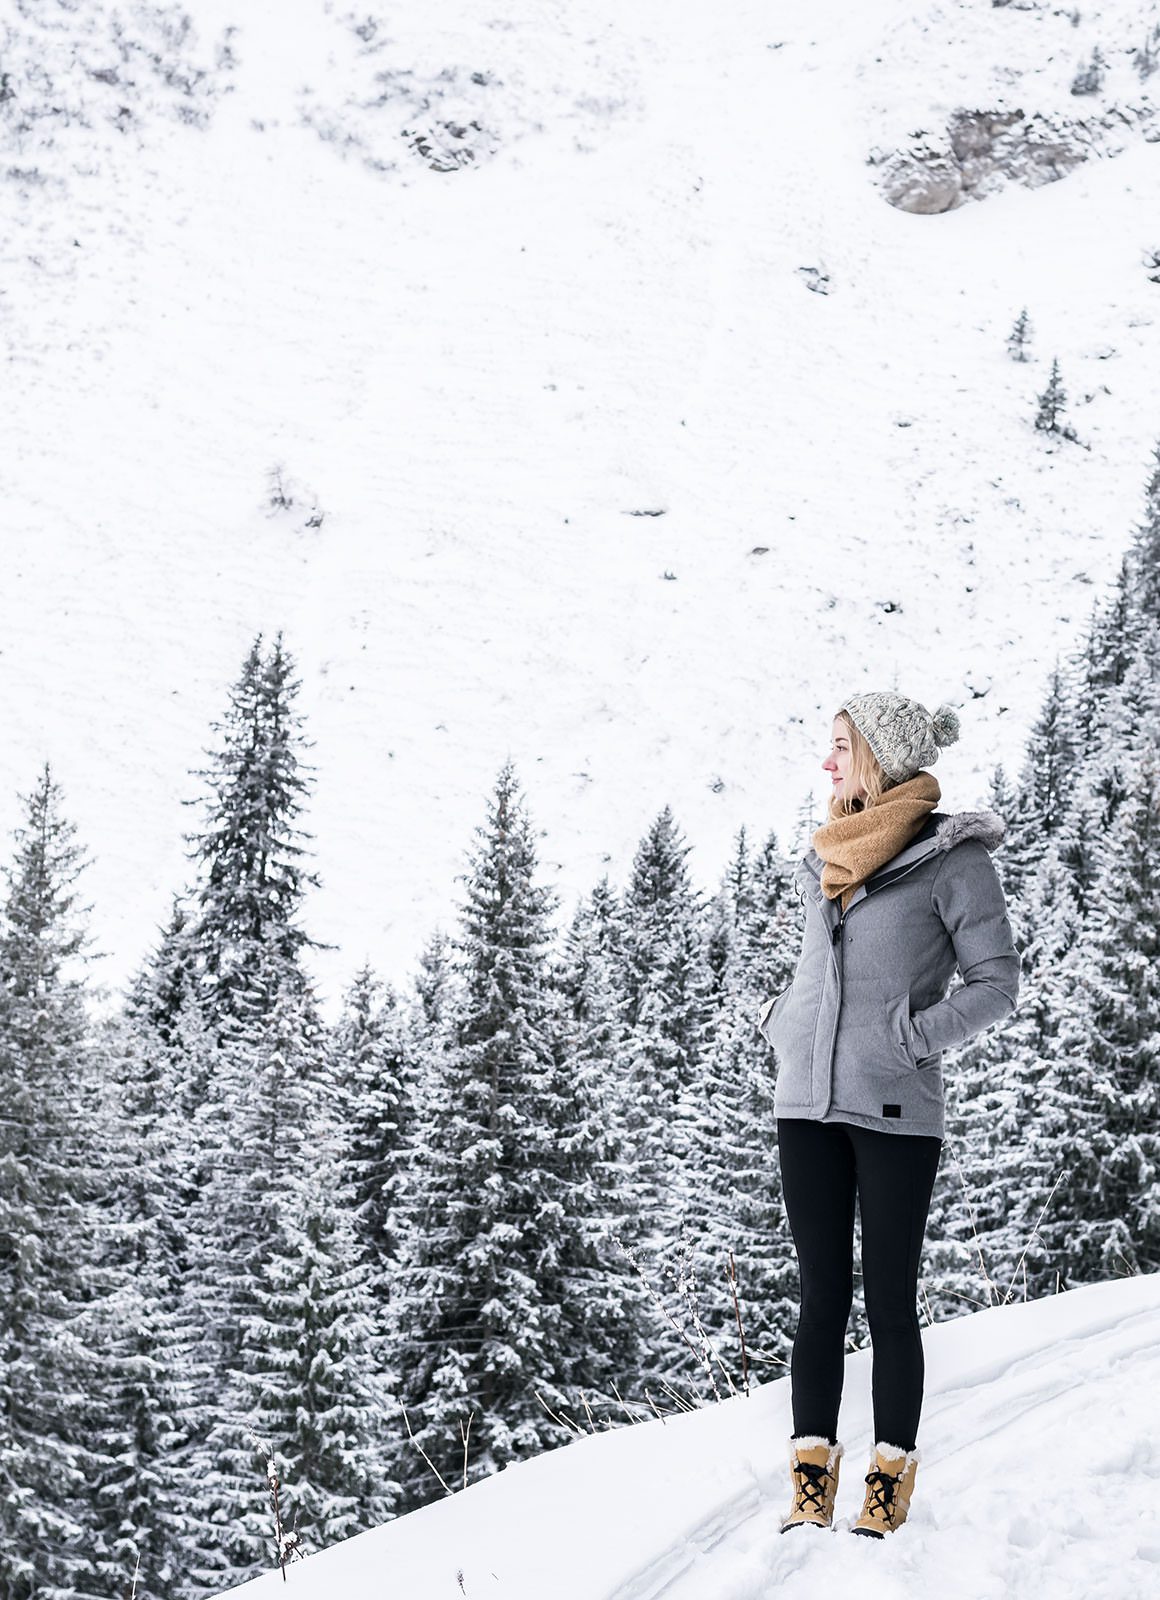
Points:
[[979, 152]]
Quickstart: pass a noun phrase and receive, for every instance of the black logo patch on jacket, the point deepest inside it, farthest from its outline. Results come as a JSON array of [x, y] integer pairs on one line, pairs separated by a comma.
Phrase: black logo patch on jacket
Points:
[[891, 1111]]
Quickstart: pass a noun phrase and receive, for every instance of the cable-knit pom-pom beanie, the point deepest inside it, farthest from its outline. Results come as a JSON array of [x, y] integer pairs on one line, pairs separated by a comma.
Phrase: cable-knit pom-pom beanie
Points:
[[903, 734]]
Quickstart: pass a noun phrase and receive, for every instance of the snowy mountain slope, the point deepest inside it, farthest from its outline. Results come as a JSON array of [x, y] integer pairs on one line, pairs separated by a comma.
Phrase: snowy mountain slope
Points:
[[1041, 1438], [604, 480]]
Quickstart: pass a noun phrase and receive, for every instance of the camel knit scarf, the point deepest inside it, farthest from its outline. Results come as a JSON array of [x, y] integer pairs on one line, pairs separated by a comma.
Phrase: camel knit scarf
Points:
[[855, 846]]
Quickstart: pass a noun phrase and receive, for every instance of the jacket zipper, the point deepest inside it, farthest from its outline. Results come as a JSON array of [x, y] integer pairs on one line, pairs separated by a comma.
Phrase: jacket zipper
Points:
[[840, 958]]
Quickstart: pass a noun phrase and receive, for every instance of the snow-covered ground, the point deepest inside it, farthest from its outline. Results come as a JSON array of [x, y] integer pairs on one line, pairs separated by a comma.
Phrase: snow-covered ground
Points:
[[604, 482], [1040, 1475]]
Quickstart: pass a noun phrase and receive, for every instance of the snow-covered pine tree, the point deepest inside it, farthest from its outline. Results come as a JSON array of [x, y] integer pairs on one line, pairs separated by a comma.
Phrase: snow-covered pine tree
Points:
[[268, 1109], [734, 1205], [1000, 1160], [168, 980], [50, 1244], [1107, 651], [770, 922], [435, 981], [250, 1139], [144, 1326], [727, 911], [250, 854], [1052, 402], [1102, 1089], [1017, 804], [608, 1316], [313, 1369], [482, 1334], [1019, 339], [805, 825], [373, 1064], [1050, 762], [1144, 553], [1089, 75], [669, 1014]]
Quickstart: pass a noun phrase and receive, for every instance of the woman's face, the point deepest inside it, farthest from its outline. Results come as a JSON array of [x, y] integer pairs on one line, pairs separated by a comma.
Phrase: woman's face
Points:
[[837, 763]]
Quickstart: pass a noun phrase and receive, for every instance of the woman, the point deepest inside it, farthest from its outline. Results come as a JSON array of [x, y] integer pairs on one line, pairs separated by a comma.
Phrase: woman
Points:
[[898, 895]]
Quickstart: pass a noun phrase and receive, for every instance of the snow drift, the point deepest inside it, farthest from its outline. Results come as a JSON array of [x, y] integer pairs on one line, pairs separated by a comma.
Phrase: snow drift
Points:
[[1041, 1464]]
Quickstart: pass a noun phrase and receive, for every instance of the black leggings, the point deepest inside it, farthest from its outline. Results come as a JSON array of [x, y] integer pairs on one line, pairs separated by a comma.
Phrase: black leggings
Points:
[[823, 1166]]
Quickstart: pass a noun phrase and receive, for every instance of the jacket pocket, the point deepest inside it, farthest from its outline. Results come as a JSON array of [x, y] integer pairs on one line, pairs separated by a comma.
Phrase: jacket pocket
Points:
[[898, 1032], [769, 1012]]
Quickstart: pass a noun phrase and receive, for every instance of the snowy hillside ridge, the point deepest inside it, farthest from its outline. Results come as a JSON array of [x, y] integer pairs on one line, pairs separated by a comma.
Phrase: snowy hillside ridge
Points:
[[1018, 94], [1040, 1445]]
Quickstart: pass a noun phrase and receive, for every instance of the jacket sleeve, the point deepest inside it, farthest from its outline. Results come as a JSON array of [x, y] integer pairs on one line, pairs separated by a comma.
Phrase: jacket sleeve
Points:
[[968, 897]]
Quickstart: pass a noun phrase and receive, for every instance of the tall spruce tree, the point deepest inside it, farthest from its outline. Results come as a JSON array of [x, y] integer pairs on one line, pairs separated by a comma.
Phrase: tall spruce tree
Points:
[[1144, 555], [313, 1368], [483, 1323], [374, 1065], [734, 1216], [269, 1107], [607, 1314], [50, 1271], [668, 984], [1105, 1078], [250, 854], [144, 1327]]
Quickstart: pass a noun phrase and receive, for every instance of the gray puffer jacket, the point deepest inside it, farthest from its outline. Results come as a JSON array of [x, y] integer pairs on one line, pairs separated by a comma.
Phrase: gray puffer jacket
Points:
[[860, 1032]]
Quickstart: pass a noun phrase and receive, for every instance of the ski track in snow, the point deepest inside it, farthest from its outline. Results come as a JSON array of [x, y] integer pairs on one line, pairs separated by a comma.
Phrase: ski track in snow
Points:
[[1089, 1492]]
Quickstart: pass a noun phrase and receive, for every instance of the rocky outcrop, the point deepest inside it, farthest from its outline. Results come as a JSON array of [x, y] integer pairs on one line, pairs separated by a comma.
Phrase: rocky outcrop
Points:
[[979, 152]]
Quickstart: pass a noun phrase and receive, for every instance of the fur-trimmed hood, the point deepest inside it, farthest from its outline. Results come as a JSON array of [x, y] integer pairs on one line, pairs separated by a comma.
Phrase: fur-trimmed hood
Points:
[[986, 826]]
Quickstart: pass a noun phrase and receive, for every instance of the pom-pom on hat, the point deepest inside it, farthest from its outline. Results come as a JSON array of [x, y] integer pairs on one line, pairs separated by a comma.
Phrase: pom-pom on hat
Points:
[[903, 734]]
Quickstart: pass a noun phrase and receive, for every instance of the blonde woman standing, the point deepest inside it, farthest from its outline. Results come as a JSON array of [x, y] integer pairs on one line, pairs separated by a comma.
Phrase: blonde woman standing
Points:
[[898, 897]]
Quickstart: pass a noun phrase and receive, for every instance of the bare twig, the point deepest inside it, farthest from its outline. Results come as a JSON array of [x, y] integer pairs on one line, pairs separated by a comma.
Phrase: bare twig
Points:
[[624, 1404], [571, 1427], [659, 1302], [686, 1287], [740, 1329], [423, 1452], [1034, 1233], [970, 1298], [465, 1431], [654, 1405], [287, 1541], [682, 1403], [774, 1361], [992, 1290]]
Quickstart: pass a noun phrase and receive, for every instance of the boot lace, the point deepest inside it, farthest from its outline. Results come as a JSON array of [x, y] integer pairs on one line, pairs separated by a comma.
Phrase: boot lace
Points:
[[880, 1500], [811, 1494]]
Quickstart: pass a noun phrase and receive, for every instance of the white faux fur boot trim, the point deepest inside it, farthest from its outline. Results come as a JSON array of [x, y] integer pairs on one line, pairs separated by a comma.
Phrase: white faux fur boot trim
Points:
[[811, 1441], [892, 1451]]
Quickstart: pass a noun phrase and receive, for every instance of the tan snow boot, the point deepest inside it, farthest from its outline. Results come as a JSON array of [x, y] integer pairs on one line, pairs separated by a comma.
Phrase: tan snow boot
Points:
[[889, 1486], [813, 1467]]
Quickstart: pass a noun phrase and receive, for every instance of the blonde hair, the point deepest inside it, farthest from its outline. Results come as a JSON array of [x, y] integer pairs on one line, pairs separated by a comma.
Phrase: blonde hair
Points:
[[865, 772]]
